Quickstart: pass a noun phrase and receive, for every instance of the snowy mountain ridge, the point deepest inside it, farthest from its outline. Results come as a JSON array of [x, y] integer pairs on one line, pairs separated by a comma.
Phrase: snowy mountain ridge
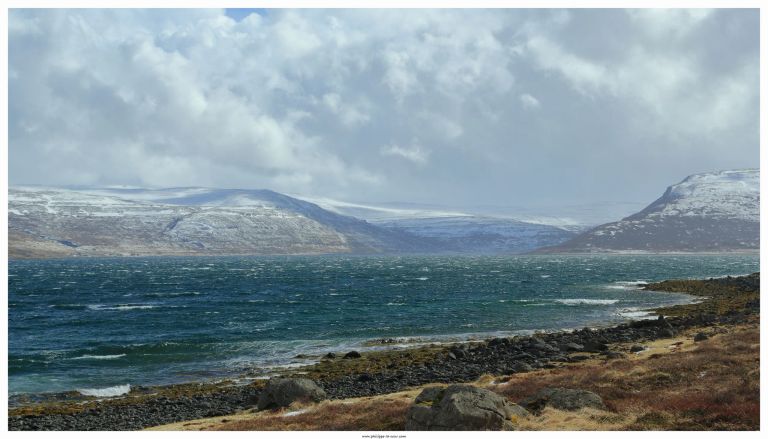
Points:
[[707, 212], [722, 194]]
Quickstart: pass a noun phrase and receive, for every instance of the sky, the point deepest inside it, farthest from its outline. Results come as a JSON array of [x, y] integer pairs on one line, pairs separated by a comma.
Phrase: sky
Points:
[[453, 107]]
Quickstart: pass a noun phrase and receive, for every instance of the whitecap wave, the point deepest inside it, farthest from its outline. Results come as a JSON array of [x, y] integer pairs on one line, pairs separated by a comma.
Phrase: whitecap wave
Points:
[[627, 285], [106, 392], [99, 357], [573, 302], [121, 307]]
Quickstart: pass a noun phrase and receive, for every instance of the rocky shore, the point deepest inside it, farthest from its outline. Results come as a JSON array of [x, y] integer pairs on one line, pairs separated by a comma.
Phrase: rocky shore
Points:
[[729, 301]]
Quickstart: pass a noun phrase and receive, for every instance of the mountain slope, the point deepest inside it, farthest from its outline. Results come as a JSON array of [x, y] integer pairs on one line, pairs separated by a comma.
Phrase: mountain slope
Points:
[[458, 231], [476, 234], [715, 211], [47, 222]]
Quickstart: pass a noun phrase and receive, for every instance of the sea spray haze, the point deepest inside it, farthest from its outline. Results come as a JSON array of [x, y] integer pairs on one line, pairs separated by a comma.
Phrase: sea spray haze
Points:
[[106, 323]]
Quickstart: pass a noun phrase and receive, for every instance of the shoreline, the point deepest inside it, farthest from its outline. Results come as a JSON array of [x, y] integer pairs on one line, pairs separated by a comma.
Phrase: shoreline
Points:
[[392, 370], [304, 360], [352, 254]]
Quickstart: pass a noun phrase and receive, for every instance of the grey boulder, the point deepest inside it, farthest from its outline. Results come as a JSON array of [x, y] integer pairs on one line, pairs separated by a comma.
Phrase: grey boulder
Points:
[[700, 337], [281, 392], [563, 399], [462, 408]]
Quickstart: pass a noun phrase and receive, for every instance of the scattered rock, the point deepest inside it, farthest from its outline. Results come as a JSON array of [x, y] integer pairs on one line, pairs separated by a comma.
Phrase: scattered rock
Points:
[[595, 346], [667, 332], [520, 366], [281, 392], [636, 348], [612, 355], [330, 355], [562, 399], [573, 347], [700, 337], [462, 408], [352, 354]]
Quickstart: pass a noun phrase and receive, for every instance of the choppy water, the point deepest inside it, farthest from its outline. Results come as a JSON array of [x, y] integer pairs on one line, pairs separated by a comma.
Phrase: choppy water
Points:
[[102, 323]]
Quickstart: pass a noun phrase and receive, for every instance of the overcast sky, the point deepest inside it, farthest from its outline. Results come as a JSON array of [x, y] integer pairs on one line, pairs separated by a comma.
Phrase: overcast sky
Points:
[[455, 107]]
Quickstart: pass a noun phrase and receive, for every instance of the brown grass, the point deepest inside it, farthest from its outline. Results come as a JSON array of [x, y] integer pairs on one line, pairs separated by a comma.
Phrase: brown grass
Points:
[[711, 385], [714, 386], [378, 414]]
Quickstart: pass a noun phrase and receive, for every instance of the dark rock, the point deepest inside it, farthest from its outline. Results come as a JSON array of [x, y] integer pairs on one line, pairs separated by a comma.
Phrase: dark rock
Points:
[[429, 394], [544, 347], [329, 355], [636, 348], [520, 366], [562, 399], [667, 332], [462, 408], [573, 347], [458, 352], [700, 337], [281, 392], [496, 342], [522, 356], [595, 346], [352, 354], [612, 355]]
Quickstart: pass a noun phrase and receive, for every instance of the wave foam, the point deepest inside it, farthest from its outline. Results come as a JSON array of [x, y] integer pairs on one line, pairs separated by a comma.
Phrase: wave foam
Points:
[[99, 357], [106, 392], [121, 307], [573, 302]]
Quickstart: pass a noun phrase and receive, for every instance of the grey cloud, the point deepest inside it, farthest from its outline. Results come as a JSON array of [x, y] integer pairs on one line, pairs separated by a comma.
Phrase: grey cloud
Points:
[[442, 106]]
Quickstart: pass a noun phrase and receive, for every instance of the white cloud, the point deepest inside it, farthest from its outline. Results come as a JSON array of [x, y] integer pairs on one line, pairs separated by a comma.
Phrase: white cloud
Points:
[[529, 102], [413, 153], [302, 100]]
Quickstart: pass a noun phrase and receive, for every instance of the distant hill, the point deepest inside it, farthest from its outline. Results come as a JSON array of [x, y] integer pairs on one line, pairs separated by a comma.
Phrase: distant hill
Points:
[[56, 222], [51, 222], [708, 212]]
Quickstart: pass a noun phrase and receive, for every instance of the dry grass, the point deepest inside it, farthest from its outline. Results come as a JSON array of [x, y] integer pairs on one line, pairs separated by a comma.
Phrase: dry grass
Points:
[[378, 414], [714, 386]]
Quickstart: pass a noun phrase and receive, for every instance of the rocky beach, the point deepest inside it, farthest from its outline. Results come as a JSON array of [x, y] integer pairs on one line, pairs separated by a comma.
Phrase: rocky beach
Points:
[[726, 302]]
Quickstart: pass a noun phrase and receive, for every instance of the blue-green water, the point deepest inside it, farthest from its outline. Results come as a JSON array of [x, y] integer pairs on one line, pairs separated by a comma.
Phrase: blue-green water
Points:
[[96, 323]]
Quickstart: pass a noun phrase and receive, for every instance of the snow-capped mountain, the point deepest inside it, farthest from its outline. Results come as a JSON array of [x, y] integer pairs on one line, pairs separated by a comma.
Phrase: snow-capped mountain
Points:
[[477, 234], [47, 222], [461, 230], [187, 221], [575, 218], [714, 211]]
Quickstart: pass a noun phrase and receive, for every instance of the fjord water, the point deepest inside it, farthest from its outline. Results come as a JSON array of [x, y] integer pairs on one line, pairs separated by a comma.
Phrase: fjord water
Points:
[[104, 323]]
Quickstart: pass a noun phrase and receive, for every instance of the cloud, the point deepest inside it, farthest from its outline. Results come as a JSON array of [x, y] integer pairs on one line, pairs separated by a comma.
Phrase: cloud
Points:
[[414, 153], [529, 102], [302, 100]]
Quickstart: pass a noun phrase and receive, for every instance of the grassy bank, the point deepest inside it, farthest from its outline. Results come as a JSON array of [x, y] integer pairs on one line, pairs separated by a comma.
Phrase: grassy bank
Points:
[[675, 384]]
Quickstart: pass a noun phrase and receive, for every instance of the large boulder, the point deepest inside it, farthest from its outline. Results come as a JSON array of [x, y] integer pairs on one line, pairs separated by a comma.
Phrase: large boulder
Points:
[[281, 392], [462, 408], [563, 399]]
